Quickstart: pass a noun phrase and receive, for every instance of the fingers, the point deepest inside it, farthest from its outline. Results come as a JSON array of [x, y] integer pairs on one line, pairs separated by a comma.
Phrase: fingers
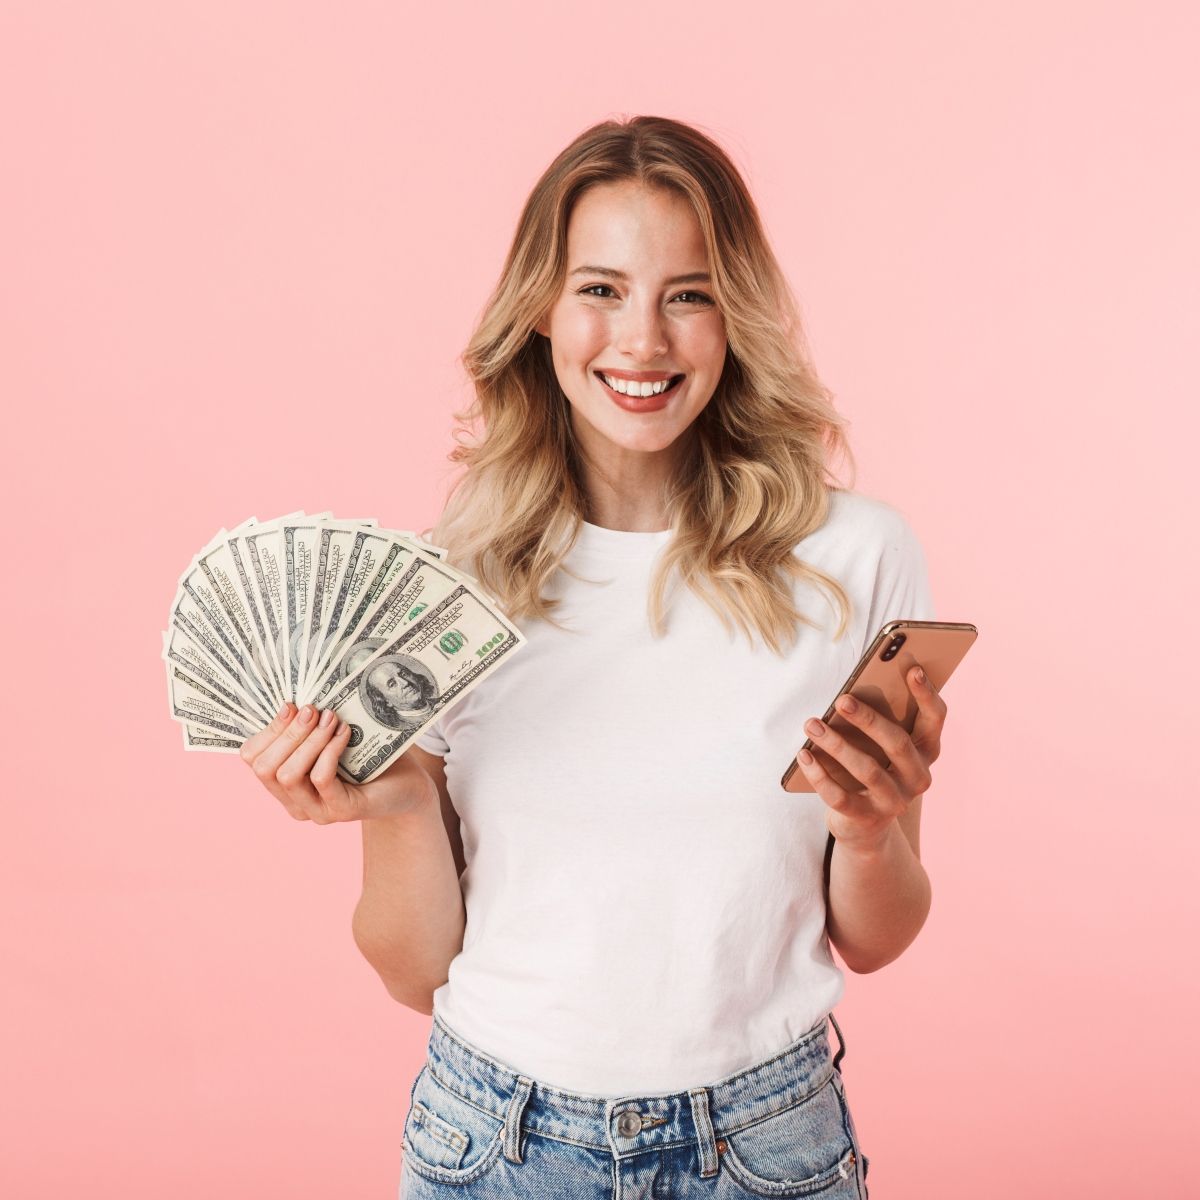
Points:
[[908, 765], [909, 755], [881, 785], [253, 746], [253, 749], [293, 773], [283, 763], [931, 716], [339, 801], [831, 792]]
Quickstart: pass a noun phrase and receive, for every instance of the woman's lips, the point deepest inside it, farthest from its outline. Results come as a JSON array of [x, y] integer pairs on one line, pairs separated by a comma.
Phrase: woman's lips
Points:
[[641, 404]]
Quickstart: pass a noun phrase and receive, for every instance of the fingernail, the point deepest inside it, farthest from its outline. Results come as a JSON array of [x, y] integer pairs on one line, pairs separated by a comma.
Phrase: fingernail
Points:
[[848, 704], [326, 717], [281, 713], [306, 714], [815, 728], [920, 675]]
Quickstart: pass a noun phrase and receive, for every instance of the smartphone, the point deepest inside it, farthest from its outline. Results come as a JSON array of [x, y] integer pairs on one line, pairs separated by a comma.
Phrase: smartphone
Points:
[[880, 681]]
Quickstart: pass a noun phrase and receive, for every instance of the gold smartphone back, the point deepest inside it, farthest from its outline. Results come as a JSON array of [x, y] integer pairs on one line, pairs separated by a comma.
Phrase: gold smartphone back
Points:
[[879, 680]]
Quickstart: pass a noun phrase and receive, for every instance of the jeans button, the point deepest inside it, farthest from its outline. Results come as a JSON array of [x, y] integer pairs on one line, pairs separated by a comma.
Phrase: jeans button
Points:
[[629, 1124]]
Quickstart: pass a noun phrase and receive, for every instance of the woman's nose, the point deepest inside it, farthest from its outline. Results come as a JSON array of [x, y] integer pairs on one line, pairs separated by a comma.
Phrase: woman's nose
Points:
[[642, 335]]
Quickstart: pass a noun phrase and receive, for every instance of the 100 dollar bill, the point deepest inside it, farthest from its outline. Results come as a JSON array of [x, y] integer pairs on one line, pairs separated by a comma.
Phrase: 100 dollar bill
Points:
[[420, 586], [403, 687]]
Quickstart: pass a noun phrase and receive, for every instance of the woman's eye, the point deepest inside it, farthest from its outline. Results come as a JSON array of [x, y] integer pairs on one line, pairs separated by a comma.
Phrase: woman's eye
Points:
[[697, 297]]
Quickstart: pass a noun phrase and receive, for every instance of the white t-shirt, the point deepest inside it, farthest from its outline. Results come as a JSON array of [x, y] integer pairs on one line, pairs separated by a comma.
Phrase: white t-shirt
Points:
[[644, 903]]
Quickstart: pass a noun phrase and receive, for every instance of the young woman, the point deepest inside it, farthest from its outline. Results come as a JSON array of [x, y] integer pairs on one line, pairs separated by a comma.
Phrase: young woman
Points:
[[587, 870]]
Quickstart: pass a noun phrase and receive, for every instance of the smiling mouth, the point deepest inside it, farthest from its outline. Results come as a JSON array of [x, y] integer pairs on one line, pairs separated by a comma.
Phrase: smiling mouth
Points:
[[637, 403], [674, 382]]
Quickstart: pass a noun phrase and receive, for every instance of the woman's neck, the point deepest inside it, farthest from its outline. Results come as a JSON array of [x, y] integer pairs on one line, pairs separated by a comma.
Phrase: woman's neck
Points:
[[632, 503], [625, 489], [628, 520]]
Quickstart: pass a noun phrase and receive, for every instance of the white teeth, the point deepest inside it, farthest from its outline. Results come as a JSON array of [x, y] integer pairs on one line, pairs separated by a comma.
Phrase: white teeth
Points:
[[628, 387]]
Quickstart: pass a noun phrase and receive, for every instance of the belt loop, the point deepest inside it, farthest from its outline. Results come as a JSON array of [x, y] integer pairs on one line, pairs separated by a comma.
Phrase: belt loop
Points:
[[837, 1058], [512, 1122], [704, 1132]]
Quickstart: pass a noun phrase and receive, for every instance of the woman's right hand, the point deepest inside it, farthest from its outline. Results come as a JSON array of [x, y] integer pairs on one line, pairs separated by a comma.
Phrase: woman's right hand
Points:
[[296, 756]]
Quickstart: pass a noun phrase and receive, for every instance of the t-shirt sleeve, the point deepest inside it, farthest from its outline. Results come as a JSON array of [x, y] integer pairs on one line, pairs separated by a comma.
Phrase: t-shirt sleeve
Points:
[[901, 590], [432, 740]]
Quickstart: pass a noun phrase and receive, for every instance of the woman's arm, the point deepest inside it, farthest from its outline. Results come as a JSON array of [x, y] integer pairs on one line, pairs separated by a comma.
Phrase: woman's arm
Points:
[[410, 921], [877, 891], [877, 898]]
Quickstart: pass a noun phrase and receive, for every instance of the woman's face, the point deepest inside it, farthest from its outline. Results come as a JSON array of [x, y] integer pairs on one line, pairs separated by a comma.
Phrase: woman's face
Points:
[[624, 311]]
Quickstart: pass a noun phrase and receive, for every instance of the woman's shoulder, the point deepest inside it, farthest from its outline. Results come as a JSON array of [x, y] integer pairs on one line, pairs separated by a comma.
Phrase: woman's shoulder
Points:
[[863, 521]]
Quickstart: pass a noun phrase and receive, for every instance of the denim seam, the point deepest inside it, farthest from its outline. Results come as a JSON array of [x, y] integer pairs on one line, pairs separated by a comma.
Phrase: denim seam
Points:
[[604, 1146], [859, 1183], [486, 1112], [437, 1127], [732, 1129], [814, 1184], [461, 1175]]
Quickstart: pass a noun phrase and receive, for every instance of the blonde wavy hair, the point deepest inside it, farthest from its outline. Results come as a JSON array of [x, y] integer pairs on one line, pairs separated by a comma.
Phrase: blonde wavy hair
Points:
[[752, 480]]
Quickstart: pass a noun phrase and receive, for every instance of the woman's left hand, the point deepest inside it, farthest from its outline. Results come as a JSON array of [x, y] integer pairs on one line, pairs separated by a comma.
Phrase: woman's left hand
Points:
[[864, 819]]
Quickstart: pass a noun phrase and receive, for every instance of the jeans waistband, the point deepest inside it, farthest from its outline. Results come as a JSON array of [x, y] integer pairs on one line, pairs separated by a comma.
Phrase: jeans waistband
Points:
[[629, 1125]]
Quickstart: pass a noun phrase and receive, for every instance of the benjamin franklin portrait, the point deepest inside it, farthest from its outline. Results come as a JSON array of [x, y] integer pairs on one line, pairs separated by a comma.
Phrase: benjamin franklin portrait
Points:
[[399, 692]]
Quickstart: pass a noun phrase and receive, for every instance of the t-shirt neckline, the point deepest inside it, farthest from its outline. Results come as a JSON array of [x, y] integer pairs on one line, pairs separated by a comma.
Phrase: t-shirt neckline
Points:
[[598, 541]]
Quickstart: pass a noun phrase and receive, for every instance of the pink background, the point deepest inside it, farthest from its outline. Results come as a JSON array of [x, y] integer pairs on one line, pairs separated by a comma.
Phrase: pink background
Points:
[[242, 247]]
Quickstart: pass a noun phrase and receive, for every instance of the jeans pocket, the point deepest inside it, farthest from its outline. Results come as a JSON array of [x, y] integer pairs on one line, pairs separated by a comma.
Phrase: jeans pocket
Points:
[[801, 1150], [448, 1139]]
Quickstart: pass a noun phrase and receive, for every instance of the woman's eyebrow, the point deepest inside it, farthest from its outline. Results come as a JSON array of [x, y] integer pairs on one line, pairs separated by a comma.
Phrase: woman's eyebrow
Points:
[[612, 273]]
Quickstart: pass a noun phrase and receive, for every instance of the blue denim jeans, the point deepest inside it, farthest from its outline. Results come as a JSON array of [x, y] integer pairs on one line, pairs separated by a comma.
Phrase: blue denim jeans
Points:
[[479, 1129]]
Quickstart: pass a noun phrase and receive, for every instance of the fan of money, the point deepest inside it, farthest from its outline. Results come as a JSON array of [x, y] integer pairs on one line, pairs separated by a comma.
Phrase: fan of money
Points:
[[340, 614]]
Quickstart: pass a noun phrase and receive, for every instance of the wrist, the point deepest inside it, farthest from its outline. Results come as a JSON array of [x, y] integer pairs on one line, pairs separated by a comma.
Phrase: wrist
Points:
[[417, 795], [876, 847]]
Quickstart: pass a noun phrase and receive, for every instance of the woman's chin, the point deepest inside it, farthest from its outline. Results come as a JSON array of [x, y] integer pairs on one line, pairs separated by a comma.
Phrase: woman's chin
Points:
[[623, 432], [652, 442], [644, 433]]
